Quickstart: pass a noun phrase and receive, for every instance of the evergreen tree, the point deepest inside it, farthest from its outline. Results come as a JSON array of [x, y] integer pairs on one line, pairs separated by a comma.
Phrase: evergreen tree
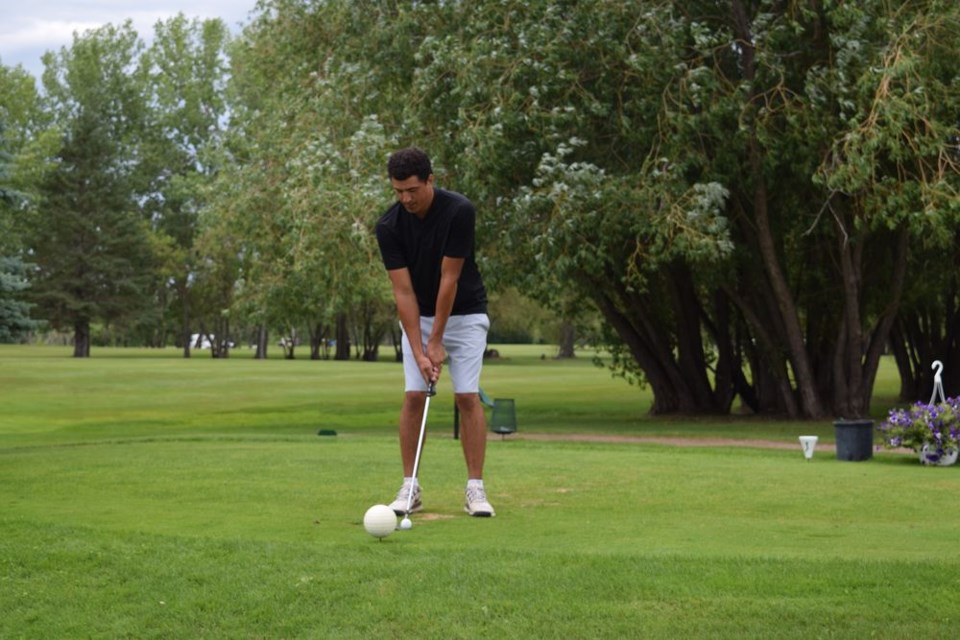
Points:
[[92, 252], [15, 321], [91, 245]]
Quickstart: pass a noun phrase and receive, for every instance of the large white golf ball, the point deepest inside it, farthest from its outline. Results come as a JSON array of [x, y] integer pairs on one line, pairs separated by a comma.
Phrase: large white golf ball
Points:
[[380, 521]]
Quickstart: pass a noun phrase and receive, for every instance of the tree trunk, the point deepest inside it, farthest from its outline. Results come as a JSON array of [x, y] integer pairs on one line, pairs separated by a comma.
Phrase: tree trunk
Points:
[[903, 356], [810, 403], [568, 335], [916, 340], [652, 353], [767, 365], [81, 339], [318, 336], [396, 339], [729, 360], [220, 343], [343, 338], [289, 344], [368, 332], [184, 319], [691, 359], [847, 376], [262, 342], [881, 333]]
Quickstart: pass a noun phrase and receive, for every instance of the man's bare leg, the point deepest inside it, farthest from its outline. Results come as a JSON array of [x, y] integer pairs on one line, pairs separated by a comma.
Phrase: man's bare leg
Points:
[[473, 437], [473, 433], [411, 417]]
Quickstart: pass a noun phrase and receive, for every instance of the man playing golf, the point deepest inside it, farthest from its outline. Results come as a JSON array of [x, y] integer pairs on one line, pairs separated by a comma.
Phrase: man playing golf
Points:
[[427, 243]]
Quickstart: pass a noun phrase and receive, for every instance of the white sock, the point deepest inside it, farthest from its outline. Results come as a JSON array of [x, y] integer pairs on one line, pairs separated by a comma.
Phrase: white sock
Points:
[[411, 481], [475, 483]]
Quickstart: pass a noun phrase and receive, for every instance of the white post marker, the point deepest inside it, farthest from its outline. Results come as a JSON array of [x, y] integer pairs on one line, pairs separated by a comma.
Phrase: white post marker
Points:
[[809, 443]]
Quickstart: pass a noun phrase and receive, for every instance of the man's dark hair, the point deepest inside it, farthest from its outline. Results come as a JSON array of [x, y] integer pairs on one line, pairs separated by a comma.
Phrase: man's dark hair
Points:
[[409, 162]]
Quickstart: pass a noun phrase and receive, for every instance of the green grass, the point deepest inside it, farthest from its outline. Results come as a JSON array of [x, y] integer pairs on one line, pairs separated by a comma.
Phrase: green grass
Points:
[[145, 496]]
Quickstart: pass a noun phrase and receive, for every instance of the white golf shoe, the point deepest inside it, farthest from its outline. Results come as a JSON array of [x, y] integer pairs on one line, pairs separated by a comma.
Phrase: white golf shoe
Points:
[[476, 503], [399, 505]]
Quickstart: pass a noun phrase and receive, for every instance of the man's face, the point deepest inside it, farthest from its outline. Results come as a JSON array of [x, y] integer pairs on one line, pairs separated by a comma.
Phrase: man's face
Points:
[[414, 194]]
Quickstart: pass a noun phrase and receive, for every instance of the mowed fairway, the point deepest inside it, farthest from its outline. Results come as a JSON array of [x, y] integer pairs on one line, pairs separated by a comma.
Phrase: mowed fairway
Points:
[[147, 496]]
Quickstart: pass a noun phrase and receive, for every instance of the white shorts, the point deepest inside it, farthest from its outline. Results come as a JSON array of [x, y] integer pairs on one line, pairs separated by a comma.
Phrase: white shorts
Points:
[[464, 339]]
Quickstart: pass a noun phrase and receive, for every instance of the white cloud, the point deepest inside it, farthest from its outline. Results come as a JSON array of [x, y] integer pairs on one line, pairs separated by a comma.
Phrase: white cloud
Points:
[[29, 28], [42, 32]]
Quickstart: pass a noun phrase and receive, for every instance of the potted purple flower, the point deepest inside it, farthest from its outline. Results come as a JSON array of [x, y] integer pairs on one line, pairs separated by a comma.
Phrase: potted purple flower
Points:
[[930, 429]]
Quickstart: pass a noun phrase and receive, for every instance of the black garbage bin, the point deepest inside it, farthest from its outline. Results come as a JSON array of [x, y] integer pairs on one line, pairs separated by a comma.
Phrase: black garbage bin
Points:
[[854, 439]]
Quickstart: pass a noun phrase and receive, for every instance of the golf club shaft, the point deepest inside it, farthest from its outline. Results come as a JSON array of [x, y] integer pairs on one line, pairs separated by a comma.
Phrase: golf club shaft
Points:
[[423, 429]]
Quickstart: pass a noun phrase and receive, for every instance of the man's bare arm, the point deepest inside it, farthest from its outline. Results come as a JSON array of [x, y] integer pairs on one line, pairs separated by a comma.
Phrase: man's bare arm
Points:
[[409, 312], [450, 269]]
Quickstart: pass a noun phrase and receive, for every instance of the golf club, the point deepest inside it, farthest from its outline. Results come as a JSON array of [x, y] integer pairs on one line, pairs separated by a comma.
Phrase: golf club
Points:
[[431, 391]]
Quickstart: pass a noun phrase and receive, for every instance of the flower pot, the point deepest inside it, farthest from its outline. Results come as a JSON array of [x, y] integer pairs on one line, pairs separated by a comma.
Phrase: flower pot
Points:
[[929, 455], [854, 439]]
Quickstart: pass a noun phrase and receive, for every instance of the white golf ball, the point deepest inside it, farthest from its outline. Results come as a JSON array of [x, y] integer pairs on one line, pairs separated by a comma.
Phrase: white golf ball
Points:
[[380, 521], [406, 524]]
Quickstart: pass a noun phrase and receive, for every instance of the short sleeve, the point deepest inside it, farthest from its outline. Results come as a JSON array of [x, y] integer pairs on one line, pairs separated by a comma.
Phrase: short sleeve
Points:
[[390, 250], [462, 230]]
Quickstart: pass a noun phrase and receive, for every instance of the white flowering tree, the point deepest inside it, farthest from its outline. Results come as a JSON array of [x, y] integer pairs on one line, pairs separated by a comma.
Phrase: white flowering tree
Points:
[[310, 178], [743, 190], [722, 180], [186, 66]]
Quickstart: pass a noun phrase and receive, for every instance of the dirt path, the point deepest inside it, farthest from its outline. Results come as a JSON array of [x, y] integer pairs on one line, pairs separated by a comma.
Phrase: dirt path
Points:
[[825, 447], [677, 442]]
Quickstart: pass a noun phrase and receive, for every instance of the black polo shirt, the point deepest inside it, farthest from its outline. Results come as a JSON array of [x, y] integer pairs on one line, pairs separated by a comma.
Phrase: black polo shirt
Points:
[[420, 245]]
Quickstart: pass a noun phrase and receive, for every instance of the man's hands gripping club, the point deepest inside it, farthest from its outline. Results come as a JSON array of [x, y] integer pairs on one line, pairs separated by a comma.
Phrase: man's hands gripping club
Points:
[[431, 361]]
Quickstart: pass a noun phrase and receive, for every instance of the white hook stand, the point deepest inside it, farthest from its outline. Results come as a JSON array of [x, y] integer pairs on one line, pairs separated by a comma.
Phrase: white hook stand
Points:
[[937, 382]]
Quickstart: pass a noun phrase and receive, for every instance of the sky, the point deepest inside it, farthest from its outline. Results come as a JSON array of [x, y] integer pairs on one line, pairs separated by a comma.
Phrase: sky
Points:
[[28, 28]]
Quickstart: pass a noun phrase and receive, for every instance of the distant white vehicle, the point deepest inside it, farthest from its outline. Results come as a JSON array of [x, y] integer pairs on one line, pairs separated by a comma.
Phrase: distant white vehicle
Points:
[[204, 344]]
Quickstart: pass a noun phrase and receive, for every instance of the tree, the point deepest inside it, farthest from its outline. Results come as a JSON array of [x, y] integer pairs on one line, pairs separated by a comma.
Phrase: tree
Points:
[[741, 189], [21, 125], [187, 69], [897, 167], [9, 197], [312, 102], [548, 111], [634, 153], [90, 244], [15, 321], [214, 285]]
